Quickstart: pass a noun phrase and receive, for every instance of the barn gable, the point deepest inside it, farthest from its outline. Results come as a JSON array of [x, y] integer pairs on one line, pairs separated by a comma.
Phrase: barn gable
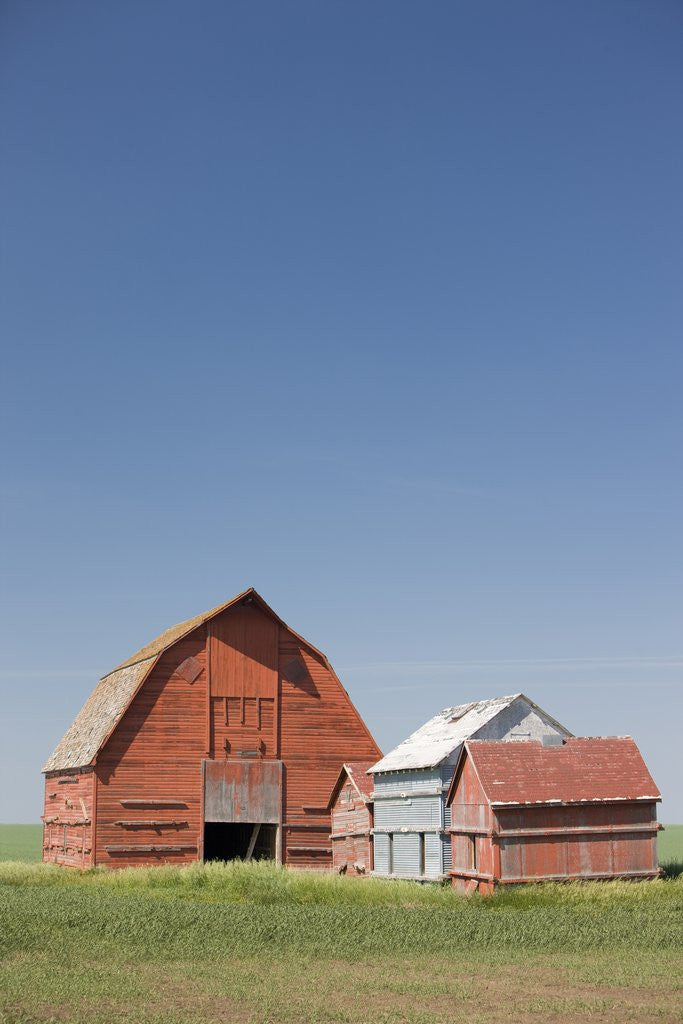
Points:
[[115, 691], [357, 774], [438, 741], [225, 722], [350, 806]]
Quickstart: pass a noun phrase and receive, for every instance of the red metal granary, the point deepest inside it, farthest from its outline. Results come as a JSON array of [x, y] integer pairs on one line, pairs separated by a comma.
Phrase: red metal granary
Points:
[[222, 738], [350, 806], [530, 812]]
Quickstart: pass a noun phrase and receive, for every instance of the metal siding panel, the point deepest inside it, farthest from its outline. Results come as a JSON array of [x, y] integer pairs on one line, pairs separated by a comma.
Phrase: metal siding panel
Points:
[[406, 854], [634, 852], [433, 861], [446, 853], [406, 782], [243, 791], [510, 858], [381, 855], [416, 812]]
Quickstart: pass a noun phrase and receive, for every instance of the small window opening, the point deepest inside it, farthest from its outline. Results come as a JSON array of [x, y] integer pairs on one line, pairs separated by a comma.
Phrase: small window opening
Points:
[[390, 840], [422, 854], [473, 853]]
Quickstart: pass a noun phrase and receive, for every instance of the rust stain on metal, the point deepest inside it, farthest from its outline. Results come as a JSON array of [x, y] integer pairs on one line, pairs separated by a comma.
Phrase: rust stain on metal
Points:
[[243, 791], [528, 813]]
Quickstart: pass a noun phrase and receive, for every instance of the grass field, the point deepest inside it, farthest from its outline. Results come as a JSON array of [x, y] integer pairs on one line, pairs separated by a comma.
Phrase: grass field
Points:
[[670, 844], [21, 842], [255, 943]]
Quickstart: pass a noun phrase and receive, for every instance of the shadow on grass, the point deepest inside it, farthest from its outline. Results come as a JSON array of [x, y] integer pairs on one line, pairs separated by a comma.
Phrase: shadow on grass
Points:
[[672, 868]]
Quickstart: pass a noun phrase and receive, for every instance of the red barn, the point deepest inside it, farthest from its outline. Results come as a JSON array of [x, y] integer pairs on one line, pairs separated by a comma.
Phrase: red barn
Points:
[[220, 739], [532, 812], [350, 806]]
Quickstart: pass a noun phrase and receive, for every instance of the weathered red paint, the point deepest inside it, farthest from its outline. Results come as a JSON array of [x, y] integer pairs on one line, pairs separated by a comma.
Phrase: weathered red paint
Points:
[[67, 818], [351, 808], [526, 813], [243, 688]]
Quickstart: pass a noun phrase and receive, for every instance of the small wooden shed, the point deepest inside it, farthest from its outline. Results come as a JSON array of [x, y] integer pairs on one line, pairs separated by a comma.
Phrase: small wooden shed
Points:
[[551, 811], [350, 807], [220, 739]]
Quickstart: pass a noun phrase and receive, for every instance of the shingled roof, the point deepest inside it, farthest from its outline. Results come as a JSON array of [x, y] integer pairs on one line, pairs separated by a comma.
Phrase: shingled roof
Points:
[[104, 708], [580, 770]]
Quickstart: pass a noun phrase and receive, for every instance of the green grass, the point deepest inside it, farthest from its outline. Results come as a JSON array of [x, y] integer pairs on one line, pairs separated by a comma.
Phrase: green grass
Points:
[[257, 943], [21, 842], [670, 844]]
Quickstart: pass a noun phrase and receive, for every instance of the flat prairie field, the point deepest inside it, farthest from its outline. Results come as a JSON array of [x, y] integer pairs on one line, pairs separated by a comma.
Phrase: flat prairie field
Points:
[[256, 943], [21, 842], [670, 844]]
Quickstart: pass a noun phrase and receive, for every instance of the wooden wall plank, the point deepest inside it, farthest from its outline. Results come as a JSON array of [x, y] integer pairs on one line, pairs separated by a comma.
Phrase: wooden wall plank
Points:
[[257, 668], [244, 653]]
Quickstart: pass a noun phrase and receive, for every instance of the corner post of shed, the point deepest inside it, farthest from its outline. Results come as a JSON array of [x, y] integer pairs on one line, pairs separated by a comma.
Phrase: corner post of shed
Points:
[[93, 827]]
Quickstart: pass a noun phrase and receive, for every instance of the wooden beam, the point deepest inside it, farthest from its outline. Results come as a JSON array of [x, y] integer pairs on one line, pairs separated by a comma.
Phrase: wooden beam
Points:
[[252, 842], [208, 689]]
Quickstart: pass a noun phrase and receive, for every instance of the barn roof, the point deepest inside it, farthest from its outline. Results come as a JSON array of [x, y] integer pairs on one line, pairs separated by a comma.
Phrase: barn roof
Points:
[[581, 769], [104, 708], [356, 771], [98, 716], [434, 741]]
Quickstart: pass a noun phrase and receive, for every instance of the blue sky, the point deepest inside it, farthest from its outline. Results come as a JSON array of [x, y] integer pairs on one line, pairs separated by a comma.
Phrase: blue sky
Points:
[[375, 307]]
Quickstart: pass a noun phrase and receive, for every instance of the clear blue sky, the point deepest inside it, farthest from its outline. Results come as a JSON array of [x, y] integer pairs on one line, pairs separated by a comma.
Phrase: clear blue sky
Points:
[[375, 307]]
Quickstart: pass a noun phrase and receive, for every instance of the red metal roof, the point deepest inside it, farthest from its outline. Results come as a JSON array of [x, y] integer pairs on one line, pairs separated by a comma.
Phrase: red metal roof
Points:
[[581, 769]]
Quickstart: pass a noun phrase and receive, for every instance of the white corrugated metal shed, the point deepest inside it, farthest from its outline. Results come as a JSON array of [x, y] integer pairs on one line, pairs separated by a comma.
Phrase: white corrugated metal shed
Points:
[[433, 742]]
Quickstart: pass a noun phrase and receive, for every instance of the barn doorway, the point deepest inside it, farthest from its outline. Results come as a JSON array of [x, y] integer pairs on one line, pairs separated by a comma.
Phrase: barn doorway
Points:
[[239, 841]]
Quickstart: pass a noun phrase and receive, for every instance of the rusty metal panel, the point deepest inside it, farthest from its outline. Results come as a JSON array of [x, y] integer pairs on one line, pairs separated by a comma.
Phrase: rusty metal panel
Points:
[[598, 841], [243, 791]]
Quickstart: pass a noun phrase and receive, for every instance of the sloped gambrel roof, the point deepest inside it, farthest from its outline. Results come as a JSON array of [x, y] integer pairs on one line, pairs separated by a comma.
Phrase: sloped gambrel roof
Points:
[[106, 705], [440, 737]]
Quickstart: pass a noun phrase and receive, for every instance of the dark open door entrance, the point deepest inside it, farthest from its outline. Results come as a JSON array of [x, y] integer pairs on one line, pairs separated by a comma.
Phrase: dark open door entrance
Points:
[[223, 841], [242, 809]]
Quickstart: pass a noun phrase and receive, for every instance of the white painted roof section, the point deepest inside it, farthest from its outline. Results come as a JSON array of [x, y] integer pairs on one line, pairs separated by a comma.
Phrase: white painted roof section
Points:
[[436, 739]]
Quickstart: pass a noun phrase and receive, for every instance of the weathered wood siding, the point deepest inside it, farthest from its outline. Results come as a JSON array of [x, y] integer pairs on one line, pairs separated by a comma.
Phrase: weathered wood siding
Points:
[[319, 730], [472, 848], [351, 833], [244, 653], [149, 772], [67, 818], [251, 688]]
